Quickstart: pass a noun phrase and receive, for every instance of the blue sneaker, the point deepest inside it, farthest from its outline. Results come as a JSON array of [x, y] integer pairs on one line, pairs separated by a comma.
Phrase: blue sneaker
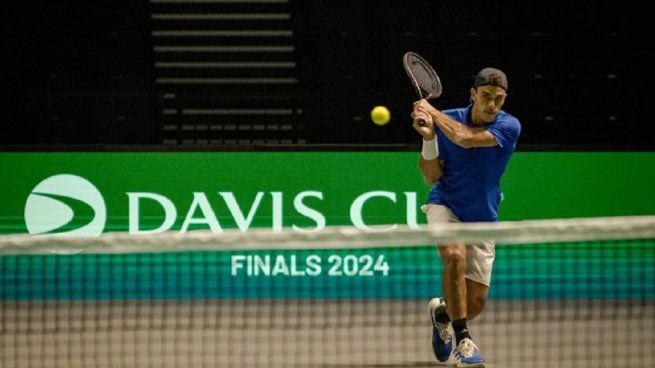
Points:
[[468, 355], [442, 333]]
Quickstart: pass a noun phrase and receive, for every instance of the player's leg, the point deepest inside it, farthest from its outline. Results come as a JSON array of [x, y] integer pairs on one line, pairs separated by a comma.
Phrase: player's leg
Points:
[[453, 280], [443, 335], [455, 289], [479, 264], [449, 319], [476, 297]]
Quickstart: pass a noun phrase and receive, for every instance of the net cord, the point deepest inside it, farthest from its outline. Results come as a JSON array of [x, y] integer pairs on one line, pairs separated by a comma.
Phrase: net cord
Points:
[[339, 237]]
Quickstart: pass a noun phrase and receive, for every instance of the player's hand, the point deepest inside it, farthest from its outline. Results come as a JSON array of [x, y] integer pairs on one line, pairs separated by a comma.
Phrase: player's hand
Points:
[[427, 131], [425, 106]]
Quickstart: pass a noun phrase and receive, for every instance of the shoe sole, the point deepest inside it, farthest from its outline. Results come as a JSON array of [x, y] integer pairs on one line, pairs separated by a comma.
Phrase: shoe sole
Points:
[[430, 309]]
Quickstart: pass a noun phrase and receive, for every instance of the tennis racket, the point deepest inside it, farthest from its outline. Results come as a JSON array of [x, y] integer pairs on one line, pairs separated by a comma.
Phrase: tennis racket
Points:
[[425, 80]]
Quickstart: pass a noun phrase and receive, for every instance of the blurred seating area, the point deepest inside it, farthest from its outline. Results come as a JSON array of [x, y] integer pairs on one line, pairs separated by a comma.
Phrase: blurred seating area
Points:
[[218, 73]]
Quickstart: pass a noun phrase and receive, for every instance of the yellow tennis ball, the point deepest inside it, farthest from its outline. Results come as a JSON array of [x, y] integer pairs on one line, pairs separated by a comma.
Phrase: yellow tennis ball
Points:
[[380, 115]]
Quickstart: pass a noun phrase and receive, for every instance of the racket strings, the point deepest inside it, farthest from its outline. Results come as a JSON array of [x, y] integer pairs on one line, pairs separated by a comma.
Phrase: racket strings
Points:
[[426, 80]]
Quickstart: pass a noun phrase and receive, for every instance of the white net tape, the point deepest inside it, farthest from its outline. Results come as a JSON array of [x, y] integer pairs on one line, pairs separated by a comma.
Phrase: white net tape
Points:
[[533, 231]]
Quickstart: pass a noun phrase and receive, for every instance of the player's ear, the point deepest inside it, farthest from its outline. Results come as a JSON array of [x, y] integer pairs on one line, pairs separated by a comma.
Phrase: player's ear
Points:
[[472, 97]]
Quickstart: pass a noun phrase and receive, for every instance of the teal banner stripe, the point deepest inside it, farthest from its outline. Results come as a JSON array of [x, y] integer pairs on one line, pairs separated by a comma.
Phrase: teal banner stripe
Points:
[[546, 271]]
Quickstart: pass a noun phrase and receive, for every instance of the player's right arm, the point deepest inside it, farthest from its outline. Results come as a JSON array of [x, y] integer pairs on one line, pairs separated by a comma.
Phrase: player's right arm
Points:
[[429, 163], [431, 169]]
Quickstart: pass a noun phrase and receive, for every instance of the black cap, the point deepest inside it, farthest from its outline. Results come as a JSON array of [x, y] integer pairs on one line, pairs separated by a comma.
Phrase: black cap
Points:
[[491, 77]]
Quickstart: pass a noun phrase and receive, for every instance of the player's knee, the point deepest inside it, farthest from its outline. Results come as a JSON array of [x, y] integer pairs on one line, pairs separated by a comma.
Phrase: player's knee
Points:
[[454, 257]]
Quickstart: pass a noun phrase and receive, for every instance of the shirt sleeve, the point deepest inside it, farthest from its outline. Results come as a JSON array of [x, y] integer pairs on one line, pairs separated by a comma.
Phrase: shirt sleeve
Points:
[[506, 132]]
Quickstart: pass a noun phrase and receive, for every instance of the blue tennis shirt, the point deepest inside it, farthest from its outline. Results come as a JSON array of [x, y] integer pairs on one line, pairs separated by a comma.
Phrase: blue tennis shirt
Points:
[[470, 186]]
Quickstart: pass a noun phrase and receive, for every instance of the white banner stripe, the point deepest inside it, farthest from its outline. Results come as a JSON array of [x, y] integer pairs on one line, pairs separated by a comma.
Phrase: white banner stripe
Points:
[[535, 231]]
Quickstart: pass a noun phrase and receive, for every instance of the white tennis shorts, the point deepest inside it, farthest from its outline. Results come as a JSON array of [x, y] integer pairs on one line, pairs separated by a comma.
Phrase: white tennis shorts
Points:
[[479, 257]]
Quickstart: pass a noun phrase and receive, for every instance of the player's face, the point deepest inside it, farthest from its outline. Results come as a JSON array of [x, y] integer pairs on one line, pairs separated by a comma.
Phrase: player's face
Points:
[[487, 101]]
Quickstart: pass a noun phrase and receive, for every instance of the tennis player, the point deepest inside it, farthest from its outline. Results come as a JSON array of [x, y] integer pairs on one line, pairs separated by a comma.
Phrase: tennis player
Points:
[[465, 153]]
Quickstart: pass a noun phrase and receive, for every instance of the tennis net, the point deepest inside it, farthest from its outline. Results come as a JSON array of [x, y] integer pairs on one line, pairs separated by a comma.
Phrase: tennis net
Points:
[[564, 293]]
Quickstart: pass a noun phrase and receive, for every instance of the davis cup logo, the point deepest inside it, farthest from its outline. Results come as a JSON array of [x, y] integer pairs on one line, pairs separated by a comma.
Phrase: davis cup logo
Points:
[[66, 205]]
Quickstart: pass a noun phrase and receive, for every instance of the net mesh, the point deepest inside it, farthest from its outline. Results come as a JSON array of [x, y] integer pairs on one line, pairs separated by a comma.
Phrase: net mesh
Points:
[[342, 297]]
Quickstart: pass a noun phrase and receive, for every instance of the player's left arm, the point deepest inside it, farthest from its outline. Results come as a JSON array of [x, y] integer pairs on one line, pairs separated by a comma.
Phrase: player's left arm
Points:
[[504, 134], [460, 134]]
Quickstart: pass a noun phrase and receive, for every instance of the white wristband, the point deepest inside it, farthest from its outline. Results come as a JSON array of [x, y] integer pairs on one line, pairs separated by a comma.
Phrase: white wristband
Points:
[[430, 149]]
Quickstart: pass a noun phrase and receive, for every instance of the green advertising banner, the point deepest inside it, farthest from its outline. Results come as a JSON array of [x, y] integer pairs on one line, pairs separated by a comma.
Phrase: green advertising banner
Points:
[[147, 193], [303, 189], [229, 189]]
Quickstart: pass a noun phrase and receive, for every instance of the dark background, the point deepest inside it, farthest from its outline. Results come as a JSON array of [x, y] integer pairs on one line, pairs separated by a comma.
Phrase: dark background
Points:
[[99, 72]]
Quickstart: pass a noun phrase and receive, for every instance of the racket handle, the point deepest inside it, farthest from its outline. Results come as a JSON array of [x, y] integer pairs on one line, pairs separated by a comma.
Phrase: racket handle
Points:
[[422, 122]]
